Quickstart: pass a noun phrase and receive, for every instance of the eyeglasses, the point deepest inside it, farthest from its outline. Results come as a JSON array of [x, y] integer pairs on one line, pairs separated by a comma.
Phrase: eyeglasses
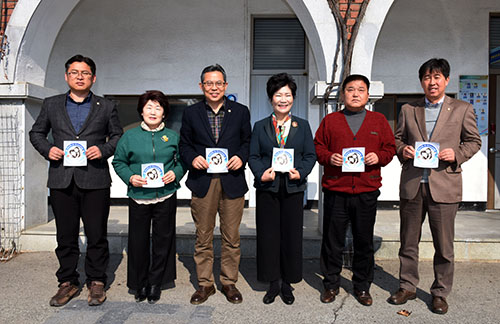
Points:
[[210, 84], [75, 73]]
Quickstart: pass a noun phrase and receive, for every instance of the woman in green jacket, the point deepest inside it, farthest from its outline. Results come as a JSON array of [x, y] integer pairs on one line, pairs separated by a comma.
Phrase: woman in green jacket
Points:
[[147, 160]]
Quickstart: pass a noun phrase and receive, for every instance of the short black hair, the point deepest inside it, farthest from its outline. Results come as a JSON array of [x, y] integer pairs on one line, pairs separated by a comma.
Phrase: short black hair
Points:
[[153, 95], [279, 81], [81, 58], [213, 68], [435, 65], [355, 77]]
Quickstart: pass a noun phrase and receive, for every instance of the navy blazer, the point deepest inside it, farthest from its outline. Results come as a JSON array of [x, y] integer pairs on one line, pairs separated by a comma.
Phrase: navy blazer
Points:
[[196, 136], [102, 128], [261, 151]]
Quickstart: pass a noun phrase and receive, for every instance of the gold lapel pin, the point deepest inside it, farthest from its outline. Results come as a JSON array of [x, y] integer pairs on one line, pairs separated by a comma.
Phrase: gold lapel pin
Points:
[[295, 124]]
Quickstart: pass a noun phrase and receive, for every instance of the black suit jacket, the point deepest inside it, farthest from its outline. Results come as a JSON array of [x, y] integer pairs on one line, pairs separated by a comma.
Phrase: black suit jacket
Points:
[[261, 153], [196, 136], [102, 128]]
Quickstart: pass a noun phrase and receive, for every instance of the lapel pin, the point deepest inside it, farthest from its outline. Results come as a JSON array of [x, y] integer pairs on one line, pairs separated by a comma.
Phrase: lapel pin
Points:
[[229, 110], [295, 124], [164, 138]]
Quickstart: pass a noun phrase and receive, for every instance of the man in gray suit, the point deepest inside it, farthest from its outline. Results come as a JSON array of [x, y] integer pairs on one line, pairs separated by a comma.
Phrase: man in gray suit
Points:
[[85, 130], [436, 191]]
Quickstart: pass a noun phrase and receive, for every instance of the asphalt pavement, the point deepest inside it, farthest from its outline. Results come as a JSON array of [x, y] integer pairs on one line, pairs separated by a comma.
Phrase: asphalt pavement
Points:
[[27, 282]]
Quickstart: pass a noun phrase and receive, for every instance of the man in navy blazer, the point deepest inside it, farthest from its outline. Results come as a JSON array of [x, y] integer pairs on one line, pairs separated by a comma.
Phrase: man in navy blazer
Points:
[[217, 123], [79, 191]]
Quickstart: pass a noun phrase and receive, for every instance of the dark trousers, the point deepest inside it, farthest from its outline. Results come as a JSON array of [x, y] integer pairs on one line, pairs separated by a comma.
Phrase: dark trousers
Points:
[[92, 206], [442, 223], [360, 210], [279, 218], [157, 267]]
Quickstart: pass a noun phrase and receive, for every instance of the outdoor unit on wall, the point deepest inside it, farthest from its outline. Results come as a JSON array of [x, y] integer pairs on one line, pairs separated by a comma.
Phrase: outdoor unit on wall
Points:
[[318, 90]]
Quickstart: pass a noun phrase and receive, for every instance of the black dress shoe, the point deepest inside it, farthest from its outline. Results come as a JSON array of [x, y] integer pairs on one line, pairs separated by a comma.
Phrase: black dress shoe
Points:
[[270, 296], [288, 298], [286, 293], [154, 294], [141, 294]]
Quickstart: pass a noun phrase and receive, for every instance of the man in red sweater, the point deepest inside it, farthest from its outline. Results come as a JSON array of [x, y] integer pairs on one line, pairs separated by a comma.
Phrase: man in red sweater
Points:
[[350, 194]]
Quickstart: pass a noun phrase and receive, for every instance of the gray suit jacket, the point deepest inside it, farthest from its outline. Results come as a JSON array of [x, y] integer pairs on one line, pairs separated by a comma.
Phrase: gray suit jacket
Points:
[[455, 128], [102, 128]]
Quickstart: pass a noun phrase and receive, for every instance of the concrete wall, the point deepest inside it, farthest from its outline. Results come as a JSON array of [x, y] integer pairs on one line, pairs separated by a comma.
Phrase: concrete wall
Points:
[[164, 45], [415, 31]]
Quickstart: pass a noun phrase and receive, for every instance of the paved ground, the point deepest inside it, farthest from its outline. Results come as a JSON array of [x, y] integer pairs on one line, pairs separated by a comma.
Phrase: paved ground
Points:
[[27, 282]]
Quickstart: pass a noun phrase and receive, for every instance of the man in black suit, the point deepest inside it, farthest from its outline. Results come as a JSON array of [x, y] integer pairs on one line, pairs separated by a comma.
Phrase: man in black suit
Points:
[[216, 122], [79, 117]]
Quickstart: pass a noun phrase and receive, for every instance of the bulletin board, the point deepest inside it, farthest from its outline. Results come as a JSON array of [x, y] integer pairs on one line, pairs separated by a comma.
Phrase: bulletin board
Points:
[[474, 90]]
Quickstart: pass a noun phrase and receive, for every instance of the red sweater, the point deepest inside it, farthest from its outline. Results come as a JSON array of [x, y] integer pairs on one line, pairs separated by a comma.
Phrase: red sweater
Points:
[[334, 134]]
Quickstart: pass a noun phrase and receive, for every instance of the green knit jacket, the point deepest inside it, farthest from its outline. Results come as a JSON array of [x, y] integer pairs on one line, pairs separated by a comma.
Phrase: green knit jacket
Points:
[[138, 146]]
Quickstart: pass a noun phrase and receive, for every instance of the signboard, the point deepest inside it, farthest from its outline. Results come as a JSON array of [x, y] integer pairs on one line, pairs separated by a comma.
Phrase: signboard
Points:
[[474, 90], [495, 55]]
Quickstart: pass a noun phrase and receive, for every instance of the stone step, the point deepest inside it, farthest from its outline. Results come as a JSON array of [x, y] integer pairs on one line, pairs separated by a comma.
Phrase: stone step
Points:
[[477, 236]]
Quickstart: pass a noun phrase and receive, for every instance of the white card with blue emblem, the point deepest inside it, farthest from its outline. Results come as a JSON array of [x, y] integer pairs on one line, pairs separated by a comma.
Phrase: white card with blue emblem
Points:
[[353, 159], [282, 159], [426, 155], [152, 172], [75, 153], [217, 159]]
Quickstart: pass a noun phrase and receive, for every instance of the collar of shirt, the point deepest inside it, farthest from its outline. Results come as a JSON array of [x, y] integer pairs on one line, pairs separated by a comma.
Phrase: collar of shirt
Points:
[[86, 100], [436, 105], [223, 107], [348, 112], [157, 129]]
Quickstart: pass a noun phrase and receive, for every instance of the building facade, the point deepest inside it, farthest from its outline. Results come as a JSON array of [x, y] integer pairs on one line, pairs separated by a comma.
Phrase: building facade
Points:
[[164, 45]]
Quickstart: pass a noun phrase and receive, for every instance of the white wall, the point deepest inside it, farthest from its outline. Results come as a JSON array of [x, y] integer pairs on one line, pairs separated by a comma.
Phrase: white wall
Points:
[[164, 45], [415, 31]]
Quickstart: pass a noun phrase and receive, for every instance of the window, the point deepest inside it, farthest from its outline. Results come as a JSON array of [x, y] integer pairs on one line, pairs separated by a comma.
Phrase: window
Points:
[[278, 44], [390, 105], [494, 37], [129, 118]]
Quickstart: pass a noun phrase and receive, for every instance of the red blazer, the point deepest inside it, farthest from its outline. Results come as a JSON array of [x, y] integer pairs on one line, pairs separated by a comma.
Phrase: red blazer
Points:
[[334, 134]]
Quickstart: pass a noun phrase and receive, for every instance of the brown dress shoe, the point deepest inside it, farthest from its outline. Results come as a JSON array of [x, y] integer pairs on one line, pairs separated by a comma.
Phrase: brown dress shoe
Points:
[[402, 296], [97, 294], [363, 297], [232, 294], [202, 294], [328, 296], [439, 305], [64, 294]]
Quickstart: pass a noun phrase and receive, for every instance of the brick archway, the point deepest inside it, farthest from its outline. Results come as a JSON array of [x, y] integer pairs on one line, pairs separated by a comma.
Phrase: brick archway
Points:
[[27, 49]]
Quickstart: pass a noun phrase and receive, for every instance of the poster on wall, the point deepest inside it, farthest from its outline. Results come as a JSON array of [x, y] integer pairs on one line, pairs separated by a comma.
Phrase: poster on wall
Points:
[[474, 90], [495, 56]]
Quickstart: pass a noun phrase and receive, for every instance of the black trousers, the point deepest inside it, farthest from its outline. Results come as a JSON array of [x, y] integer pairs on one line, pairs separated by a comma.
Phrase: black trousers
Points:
[[151, 265], [279, 220], [92, 206], [360, 210]]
